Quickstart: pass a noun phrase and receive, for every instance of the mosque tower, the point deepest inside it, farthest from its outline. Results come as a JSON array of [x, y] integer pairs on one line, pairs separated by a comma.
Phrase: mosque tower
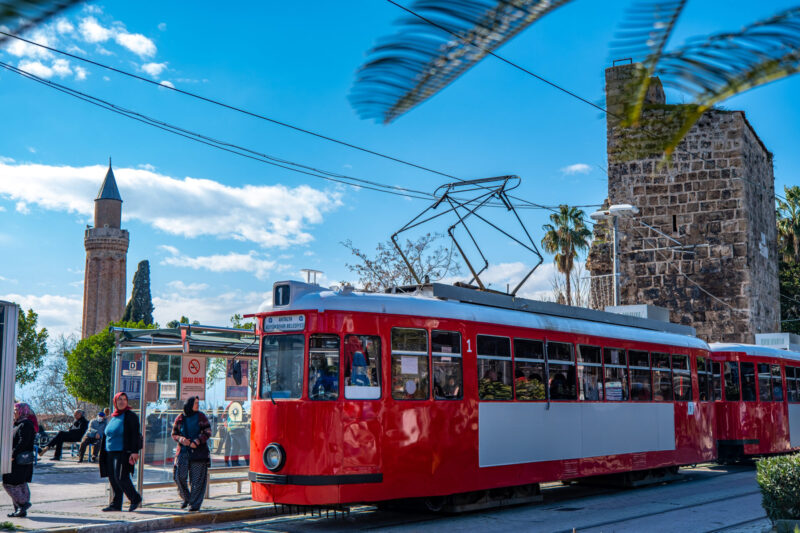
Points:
[[106, 253]]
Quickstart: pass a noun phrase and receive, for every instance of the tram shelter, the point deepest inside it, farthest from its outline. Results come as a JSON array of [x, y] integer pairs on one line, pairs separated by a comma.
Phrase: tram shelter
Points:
[[159, 369]]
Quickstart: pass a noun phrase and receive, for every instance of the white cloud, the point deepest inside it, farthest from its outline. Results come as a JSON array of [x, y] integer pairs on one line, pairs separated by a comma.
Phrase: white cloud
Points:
[[2, 208], [502, 275], [147, 166], [178, 285], [166, 83], [4, 159], [61, 68], [31, 149], [103, 51], [162, 26], [36, 68], [22, 208], [22, 49], [136, 43], [577, 168], [93, 32], [75, 49], [252, 262], [80, 73], [268, 215], [206, 308], [58, 313], [64, 26], [154, 69]]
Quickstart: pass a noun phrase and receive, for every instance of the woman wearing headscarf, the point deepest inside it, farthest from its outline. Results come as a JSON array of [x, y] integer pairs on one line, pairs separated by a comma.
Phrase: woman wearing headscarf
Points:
[[16, 482], [191, 431], [119, 451]]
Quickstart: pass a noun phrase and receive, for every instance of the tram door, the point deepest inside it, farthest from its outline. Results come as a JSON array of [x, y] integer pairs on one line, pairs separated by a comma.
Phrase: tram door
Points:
[[9, 314]]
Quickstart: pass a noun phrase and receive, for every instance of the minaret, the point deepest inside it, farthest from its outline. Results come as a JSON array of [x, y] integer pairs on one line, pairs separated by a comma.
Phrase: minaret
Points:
[[106, 251]]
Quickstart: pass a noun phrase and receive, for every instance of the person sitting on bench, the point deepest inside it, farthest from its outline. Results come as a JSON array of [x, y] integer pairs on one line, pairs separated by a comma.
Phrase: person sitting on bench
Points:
[[74, 434]]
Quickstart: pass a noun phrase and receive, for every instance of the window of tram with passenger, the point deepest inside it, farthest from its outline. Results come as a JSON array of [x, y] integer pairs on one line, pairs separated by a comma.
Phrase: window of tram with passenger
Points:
[[529, 372], [410, 364], [561, 370], [793, 384], [494, 367], [361, 362], [616, 374], [662, 377], [590, 373], [748, 375], [447, 370], [641, 379], [323, 367]]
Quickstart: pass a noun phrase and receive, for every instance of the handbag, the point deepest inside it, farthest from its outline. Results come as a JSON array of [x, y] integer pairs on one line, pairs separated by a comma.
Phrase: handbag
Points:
[[24, 458]]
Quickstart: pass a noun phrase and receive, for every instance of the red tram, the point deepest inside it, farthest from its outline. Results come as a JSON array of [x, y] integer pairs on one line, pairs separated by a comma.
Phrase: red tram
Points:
[[375, 397], [757, 402]]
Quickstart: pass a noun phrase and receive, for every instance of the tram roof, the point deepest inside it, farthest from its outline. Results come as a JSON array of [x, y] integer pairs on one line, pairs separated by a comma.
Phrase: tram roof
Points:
[[315, 298], [754, 350]]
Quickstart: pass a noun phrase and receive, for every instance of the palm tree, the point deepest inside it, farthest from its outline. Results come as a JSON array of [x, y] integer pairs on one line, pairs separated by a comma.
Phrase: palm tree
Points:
[[442, 39], [565, 237], [788, 215]]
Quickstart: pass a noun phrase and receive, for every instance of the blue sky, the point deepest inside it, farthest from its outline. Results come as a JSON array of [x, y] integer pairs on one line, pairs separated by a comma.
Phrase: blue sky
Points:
[[219, 229]]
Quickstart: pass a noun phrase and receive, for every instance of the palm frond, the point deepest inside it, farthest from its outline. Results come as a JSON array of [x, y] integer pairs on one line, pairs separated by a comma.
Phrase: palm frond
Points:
[[19, 16], [433, 49], [724, 65], [643, 36]]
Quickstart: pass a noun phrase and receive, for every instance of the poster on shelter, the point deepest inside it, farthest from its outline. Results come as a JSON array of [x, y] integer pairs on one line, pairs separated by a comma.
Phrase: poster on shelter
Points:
[[130, 380], [193, 377], [236, 381]]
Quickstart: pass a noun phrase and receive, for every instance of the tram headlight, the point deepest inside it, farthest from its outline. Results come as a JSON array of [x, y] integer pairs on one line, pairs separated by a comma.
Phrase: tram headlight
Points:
[[274, 457]]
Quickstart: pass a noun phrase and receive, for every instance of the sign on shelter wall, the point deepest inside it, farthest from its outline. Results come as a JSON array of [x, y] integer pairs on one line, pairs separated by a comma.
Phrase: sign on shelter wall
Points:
[[193, 377], [130, 380], [236, 380]]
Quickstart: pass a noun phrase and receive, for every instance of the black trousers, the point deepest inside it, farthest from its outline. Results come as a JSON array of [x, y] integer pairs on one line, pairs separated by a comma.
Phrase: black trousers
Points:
[[59, 440], [119, 478]]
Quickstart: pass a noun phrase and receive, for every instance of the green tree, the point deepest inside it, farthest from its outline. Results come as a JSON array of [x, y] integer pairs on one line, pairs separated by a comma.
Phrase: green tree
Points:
[[788, 216], [140, 306], [31, 346], [565, 237], [789, 276], [88, 374]]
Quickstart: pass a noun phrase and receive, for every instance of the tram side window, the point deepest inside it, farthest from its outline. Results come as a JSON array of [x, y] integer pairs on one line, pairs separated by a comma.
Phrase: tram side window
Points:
[[703, 378], [362, 367], [616, 374], [641, 388], [716, 381], [732, 381], [323, 367], [282, 367], [681, 378], [777, 385], [792, 377], [561, 369], [590, 373], [409, 364], [529, 376], [749, 382], [662, 378], [764, 383], [447, 373], [494, 367]]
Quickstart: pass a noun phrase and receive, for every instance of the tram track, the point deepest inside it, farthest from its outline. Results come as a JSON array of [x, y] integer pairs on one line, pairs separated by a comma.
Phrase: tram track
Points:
[[369, 518]]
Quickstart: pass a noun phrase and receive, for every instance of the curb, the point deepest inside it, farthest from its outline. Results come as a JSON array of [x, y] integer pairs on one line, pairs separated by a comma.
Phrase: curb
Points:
[[172, 521]]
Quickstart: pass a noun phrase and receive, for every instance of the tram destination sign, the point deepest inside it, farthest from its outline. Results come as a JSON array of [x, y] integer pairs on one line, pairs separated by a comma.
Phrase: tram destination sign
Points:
[[285, 323]]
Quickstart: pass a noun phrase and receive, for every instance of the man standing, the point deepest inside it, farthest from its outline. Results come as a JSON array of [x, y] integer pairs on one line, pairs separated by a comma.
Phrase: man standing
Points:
[[74, 434], [93, 436]]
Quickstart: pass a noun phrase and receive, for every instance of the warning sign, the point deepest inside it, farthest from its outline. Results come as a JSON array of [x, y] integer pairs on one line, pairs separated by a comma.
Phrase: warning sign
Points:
[[193, 377]]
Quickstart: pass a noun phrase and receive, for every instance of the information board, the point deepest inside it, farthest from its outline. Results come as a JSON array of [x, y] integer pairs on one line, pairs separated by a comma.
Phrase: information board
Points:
[[130, 379]]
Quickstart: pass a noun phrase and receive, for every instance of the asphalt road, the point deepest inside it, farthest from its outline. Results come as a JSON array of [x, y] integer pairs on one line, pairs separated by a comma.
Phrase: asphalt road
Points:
[[707, 499]]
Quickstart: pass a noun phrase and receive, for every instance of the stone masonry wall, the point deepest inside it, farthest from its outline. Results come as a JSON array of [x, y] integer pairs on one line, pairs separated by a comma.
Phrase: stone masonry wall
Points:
[[709, 254], [104, 281]]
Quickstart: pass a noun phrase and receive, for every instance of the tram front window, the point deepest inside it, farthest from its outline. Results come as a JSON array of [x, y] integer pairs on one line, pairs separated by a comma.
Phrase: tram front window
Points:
[[282, 368]]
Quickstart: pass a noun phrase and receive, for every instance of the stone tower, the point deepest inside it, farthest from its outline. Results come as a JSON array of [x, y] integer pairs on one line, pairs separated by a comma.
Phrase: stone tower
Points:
[[709, 254], [106, 251]]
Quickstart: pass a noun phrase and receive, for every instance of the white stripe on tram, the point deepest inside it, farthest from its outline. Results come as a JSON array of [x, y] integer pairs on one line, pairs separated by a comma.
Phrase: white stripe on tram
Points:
[[515, 433]]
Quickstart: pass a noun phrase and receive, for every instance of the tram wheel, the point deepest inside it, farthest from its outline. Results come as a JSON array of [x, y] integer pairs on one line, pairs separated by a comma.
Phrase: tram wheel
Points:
[[435, 503]]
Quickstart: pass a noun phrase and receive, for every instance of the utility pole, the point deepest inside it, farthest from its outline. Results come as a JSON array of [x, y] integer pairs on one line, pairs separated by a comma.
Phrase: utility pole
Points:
[[613, 213]]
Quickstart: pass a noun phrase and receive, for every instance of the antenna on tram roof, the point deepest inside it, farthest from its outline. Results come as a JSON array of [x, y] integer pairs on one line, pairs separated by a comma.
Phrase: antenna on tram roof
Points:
[[311, 274], [465, 207]]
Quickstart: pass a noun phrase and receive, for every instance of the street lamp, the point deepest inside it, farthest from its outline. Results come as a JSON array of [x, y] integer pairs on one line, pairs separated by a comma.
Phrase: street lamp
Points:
[[614, 212]]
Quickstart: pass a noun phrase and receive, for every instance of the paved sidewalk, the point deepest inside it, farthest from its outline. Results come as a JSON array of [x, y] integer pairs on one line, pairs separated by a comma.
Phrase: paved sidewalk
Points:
[[66, 493]]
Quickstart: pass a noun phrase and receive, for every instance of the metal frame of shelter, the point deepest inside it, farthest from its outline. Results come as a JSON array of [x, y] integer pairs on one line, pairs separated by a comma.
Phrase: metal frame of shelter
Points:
[[187, 339]]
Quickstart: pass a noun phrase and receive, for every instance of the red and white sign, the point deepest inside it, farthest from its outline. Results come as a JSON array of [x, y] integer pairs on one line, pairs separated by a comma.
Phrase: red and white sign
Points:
[[193, 377]]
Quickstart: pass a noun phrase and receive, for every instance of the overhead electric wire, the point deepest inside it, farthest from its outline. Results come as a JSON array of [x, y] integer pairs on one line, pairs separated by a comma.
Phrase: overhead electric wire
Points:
[[527, 204], [221, 145]]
